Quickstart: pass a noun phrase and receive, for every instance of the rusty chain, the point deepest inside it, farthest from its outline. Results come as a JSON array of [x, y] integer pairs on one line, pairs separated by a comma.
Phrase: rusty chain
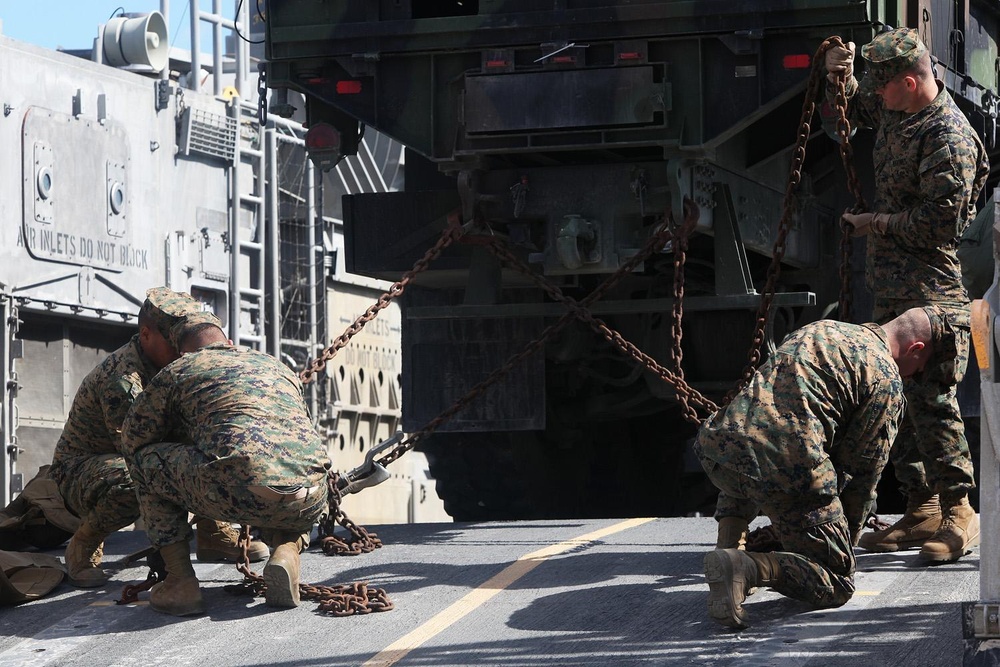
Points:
[[686, 395], [676, 322], [130, 592], [577, 310], [853, 184], [813, 88], [361, 540], [451, 232], [338, 600]]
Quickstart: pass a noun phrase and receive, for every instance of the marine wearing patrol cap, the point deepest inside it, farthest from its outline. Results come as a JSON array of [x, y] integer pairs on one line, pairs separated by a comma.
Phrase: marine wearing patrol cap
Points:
[[890, 54], [164, 308], [190, 324]]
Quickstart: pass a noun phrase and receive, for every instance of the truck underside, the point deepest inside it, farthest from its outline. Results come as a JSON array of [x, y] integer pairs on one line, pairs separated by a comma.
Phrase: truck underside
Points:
[[572, 131]]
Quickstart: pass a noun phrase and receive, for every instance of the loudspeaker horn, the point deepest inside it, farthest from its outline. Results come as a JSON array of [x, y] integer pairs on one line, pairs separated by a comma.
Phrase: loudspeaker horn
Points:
[[137, 39]]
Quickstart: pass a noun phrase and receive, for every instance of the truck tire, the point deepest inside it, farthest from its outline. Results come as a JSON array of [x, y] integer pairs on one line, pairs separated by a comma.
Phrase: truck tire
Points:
[[634, 467], [488, 476]]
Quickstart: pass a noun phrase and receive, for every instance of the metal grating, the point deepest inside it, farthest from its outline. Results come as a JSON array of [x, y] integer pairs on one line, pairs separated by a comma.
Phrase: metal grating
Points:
[[208, 134]]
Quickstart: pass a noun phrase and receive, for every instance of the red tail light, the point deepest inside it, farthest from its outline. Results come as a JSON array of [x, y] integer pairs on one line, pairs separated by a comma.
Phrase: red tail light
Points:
[[348, 87], [322, 137], [797, 61]]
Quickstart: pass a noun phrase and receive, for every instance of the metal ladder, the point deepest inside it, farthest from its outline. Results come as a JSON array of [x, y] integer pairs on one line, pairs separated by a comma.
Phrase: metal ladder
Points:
[[247, 269], [247, 292]]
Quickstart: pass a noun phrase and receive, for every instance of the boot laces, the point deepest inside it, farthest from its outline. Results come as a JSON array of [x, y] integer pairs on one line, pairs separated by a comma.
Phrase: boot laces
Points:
[[97, 555]]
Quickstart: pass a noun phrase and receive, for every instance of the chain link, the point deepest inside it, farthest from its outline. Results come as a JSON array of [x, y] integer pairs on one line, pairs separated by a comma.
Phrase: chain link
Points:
[[339, 600], [130, 592], [788, 209], [361, 540], [676, 323], [853, 184], [262, 94], [577, 310], [452, 232], [686, 395]]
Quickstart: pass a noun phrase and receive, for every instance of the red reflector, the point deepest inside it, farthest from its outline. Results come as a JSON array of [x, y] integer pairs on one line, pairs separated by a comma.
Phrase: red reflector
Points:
[[322, 136], [629, 55], [797, 61], [564, 59], [348, 87], [496, 63]]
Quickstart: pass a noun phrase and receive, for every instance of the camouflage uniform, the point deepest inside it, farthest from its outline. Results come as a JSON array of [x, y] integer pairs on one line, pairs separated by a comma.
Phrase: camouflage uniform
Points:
[[87, 464], [805, 443], [930, 168], [223, 431]]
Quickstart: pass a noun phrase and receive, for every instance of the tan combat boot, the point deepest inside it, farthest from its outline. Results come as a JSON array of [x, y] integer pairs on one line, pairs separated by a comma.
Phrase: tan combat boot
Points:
[[83, 557], [921, 520], [959, 532], [178, 594], [731, 574], [732, 533], [281, 574], [218, 541]]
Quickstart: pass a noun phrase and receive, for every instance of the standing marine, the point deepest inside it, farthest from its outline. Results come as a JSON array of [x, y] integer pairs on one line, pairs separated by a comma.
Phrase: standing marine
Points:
[[930, 167]]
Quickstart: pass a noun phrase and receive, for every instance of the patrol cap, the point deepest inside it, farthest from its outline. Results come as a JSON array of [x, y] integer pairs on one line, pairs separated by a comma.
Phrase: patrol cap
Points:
[[189, 324], [164, 307], [890, 54], [942, 336]]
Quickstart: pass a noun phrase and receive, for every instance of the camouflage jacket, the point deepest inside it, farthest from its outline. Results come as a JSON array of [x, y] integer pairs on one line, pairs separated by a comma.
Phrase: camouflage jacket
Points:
[[243, 409], [817, 419], [931, 166], [100, 407]]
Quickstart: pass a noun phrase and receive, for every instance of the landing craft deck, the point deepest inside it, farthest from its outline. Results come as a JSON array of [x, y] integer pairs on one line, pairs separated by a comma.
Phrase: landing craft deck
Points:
[[573, 592]]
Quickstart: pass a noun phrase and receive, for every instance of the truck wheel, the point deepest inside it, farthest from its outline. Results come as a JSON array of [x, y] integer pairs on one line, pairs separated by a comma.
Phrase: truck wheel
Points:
[[492, 476], [634, 467]]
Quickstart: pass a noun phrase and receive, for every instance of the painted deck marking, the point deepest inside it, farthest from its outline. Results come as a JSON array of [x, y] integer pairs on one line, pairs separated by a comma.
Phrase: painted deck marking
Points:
[[397, 650]]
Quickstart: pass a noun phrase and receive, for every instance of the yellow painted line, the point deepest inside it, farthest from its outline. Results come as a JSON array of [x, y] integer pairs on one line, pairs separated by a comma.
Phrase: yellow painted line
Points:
[[397, 650], [868, 592]]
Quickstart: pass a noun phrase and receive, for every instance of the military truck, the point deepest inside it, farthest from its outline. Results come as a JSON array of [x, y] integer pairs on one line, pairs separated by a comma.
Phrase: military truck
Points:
[[572, 130]]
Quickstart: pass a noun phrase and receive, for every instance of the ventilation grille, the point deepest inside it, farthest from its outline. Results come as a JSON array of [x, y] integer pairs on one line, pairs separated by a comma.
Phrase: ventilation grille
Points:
[[207, 133]]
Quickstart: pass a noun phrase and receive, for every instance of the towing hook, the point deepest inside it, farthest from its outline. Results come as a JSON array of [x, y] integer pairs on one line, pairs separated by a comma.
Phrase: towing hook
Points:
[[578, 242], [368, 473]]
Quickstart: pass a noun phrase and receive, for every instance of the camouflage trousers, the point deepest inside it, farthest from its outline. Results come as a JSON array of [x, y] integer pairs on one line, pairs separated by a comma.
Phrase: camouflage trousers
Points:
[[931, 453], [101, 491], [817, 564], [173, 479]]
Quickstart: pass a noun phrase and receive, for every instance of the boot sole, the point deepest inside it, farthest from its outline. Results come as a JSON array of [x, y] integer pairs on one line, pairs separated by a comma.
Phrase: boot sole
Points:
[[87, 583], [898, 546], [719, 574], [281, 591], [190, 611], [216, 556]]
